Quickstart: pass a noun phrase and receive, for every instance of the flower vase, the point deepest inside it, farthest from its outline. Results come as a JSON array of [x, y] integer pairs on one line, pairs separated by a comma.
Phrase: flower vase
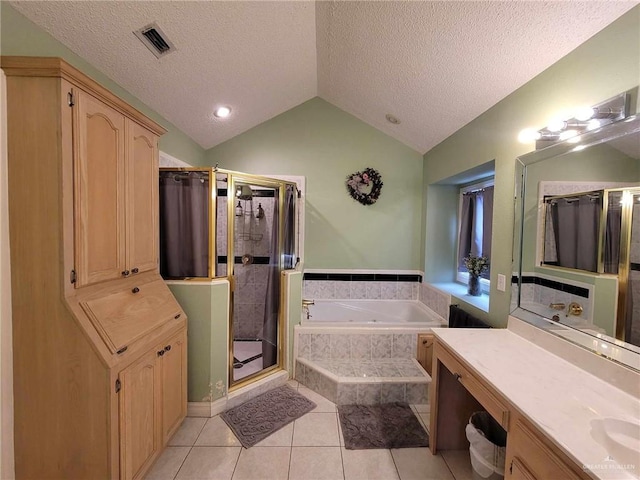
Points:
[[474, 288]]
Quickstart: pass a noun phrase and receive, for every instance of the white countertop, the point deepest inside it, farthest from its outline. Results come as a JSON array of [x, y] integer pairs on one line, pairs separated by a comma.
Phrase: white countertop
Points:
[[559, 398]]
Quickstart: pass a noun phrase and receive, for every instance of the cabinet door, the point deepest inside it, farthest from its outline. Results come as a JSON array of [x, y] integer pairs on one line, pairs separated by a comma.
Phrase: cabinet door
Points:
[[142, 205], [174, 385], [99, 154], [139, 415], [519, 472]]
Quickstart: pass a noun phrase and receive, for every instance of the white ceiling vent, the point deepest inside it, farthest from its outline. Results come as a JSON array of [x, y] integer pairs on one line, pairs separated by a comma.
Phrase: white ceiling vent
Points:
[[155, 40]]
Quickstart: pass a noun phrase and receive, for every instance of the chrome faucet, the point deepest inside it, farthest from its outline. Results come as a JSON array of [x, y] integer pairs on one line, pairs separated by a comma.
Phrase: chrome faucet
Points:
[[305, 307]]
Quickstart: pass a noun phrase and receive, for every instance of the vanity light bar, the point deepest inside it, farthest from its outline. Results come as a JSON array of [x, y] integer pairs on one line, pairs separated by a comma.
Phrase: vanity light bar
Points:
[[585, 119]]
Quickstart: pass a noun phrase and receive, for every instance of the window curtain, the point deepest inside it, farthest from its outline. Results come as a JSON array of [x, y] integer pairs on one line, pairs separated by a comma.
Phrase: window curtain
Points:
[[184, 224], [476, 227]]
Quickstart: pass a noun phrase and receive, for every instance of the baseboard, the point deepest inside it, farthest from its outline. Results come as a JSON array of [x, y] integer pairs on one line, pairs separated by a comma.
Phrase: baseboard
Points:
[[206, 409]]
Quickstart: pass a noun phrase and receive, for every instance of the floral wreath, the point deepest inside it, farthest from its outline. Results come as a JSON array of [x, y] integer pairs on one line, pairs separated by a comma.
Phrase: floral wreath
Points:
[[357, 181]]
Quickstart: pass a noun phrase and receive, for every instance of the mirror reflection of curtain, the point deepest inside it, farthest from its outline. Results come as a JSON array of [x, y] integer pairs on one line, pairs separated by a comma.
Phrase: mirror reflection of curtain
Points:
[[289, 227], [476, 226], [272, 301], [184, 224], [612, 234], [632, 317], [576, 223]]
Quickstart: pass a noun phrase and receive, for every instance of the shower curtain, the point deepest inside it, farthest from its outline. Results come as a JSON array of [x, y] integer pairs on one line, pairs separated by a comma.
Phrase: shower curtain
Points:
[[576, 222], [184, 224], [272, 302]]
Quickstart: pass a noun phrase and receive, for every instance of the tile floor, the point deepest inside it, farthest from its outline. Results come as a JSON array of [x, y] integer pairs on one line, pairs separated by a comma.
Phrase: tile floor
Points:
[[311, 448]]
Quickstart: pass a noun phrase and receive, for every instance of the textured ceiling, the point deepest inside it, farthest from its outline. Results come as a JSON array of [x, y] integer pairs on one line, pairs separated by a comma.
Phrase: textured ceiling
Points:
[[435, 65]]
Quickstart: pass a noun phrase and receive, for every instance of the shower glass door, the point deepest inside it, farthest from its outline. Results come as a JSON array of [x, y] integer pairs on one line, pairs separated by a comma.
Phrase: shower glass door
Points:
[[255, 241]]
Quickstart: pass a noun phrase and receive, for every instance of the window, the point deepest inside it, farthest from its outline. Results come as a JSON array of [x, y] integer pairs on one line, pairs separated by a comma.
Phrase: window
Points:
[[475, 217]]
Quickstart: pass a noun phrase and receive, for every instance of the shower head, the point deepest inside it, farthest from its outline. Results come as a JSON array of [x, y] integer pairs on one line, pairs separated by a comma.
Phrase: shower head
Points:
[[244, 192]]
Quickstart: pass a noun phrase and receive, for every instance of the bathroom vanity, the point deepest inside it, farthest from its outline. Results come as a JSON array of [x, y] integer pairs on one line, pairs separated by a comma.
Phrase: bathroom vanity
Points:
[[562, 422]]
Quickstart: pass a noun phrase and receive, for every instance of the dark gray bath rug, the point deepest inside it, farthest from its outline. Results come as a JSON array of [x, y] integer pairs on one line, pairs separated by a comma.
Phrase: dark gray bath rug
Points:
[[265, 414], [389, 425]]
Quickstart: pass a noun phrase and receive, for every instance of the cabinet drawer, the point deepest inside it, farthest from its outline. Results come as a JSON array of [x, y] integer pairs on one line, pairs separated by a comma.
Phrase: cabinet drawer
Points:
[[474, 386], [532, 456], [125, 316]]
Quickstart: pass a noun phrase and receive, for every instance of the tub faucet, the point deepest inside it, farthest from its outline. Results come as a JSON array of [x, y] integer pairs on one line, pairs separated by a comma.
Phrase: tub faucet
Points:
[[305, 307]]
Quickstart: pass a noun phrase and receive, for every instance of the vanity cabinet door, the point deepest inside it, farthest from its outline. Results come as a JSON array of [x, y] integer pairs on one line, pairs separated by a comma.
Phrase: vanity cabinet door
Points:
[[529, 457], [99, 161], [425, 351]]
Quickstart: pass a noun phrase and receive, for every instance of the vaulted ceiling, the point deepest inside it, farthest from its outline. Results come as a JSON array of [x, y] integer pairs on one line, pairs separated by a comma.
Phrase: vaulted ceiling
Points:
[[434, 65]]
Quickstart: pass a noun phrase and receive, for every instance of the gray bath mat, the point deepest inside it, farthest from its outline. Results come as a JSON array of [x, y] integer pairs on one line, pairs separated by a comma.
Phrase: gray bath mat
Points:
[[389, 425], [265, 414]]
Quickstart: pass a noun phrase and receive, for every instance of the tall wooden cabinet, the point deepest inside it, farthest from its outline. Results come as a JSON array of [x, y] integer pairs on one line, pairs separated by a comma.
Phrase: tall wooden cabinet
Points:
[[99, 341]]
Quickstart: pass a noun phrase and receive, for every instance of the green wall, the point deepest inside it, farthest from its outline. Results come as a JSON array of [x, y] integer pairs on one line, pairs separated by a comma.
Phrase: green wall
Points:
[[325, 144], [602, 67], [21, 37], [206, 306]]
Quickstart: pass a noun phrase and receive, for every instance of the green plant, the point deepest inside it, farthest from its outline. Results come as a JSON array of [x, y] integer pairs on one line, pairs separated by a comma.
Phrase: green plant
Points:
[[476, 265]]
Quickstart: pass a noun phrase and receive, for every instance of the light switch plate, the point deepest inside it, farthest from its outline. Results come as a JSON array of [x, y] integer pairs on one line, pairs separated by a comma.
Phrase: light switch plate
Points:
[[501, 282]]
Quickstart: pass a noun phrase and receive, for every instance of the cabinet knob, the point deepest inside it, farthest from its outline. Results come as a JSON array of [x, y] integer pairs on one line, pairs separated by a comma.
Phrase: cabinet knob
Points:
[[135, 270], [125, 273], [457, 376], [135, 290], [160, 353], [167, 348]]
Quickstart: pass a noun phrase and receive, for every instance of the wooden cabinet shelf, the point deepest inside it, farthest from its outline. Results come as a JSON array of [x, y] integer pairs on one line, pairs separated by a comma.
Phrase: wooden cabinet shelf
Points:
[[93, 395]]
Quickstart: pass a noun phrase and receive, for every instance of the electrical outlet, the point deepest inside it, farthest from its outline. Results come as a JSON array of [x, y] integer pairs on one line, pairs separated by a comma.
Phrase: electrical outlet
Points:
[[502, 283]]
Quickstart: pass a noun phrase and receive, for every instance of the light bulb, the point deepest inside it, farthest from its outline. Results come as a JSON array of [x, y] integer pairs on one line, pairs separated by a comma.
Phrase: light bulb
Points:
[[593, 124], [584, 113], [222, 112], [528, 135], [556, 125], [568, 134]]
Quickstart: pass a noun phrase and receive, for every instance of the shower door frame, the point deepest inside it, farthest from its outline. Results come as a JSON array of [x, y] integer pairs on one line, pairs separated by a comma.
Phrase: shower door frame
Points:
[[233, 179]]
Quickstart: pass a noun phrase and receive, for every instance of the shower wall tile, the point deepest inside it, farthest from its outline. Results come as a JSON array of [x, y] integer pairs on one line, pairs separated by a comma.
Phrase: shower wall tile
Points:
[[374, 291], [392, 392], [405, 291], [320, 347], [340, 347], [404, 345], [342, 290], [389, 290], [381, 346], [435, 299], [358, 290], [360, 347]]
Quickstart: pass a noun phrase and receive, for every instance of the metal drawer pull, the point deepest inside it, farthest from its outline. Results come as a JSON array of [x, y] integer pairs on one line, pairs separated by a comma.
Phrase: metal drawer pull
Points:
[[135, 290], [177, 316], [125, 273], [161, 353], [167, 348], [135, 270], [457, 376]]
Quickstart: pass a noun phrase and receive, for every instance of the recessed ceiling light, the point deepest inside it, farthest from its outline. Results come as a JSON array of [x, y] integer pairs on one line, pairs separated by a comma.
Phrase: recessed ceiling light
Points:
[[392, 119], [222, 112]]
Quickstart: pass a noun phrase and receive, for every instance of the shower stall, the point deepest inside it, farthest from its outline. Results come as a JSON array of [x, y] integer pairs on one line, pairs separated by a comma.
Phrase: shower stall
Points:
[[217, 223]]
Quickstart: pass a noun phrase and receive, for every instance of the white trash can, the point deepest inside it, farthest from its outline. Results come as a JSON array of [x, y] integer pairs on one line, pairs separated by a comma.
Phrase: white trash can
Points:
[[487, 441]]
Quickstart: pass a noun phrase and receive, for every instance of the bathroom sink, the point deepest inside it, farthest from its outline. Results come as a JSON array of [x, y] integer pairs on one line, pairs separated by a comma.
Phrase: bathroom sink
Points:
[[625, 435], [621, 439]]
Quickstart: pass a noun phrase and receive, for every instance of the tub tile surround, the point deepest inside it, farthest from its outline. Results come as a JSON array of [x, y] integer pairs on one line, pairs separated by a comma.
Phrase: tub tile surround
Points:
[[362, 284], [360, 366], [573, 399]]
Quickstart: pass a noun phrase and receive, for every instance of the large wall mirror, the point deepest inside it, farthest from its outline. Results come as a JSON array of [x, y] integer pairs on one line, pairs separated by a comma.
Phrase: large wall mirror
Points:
[[577, 240]]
